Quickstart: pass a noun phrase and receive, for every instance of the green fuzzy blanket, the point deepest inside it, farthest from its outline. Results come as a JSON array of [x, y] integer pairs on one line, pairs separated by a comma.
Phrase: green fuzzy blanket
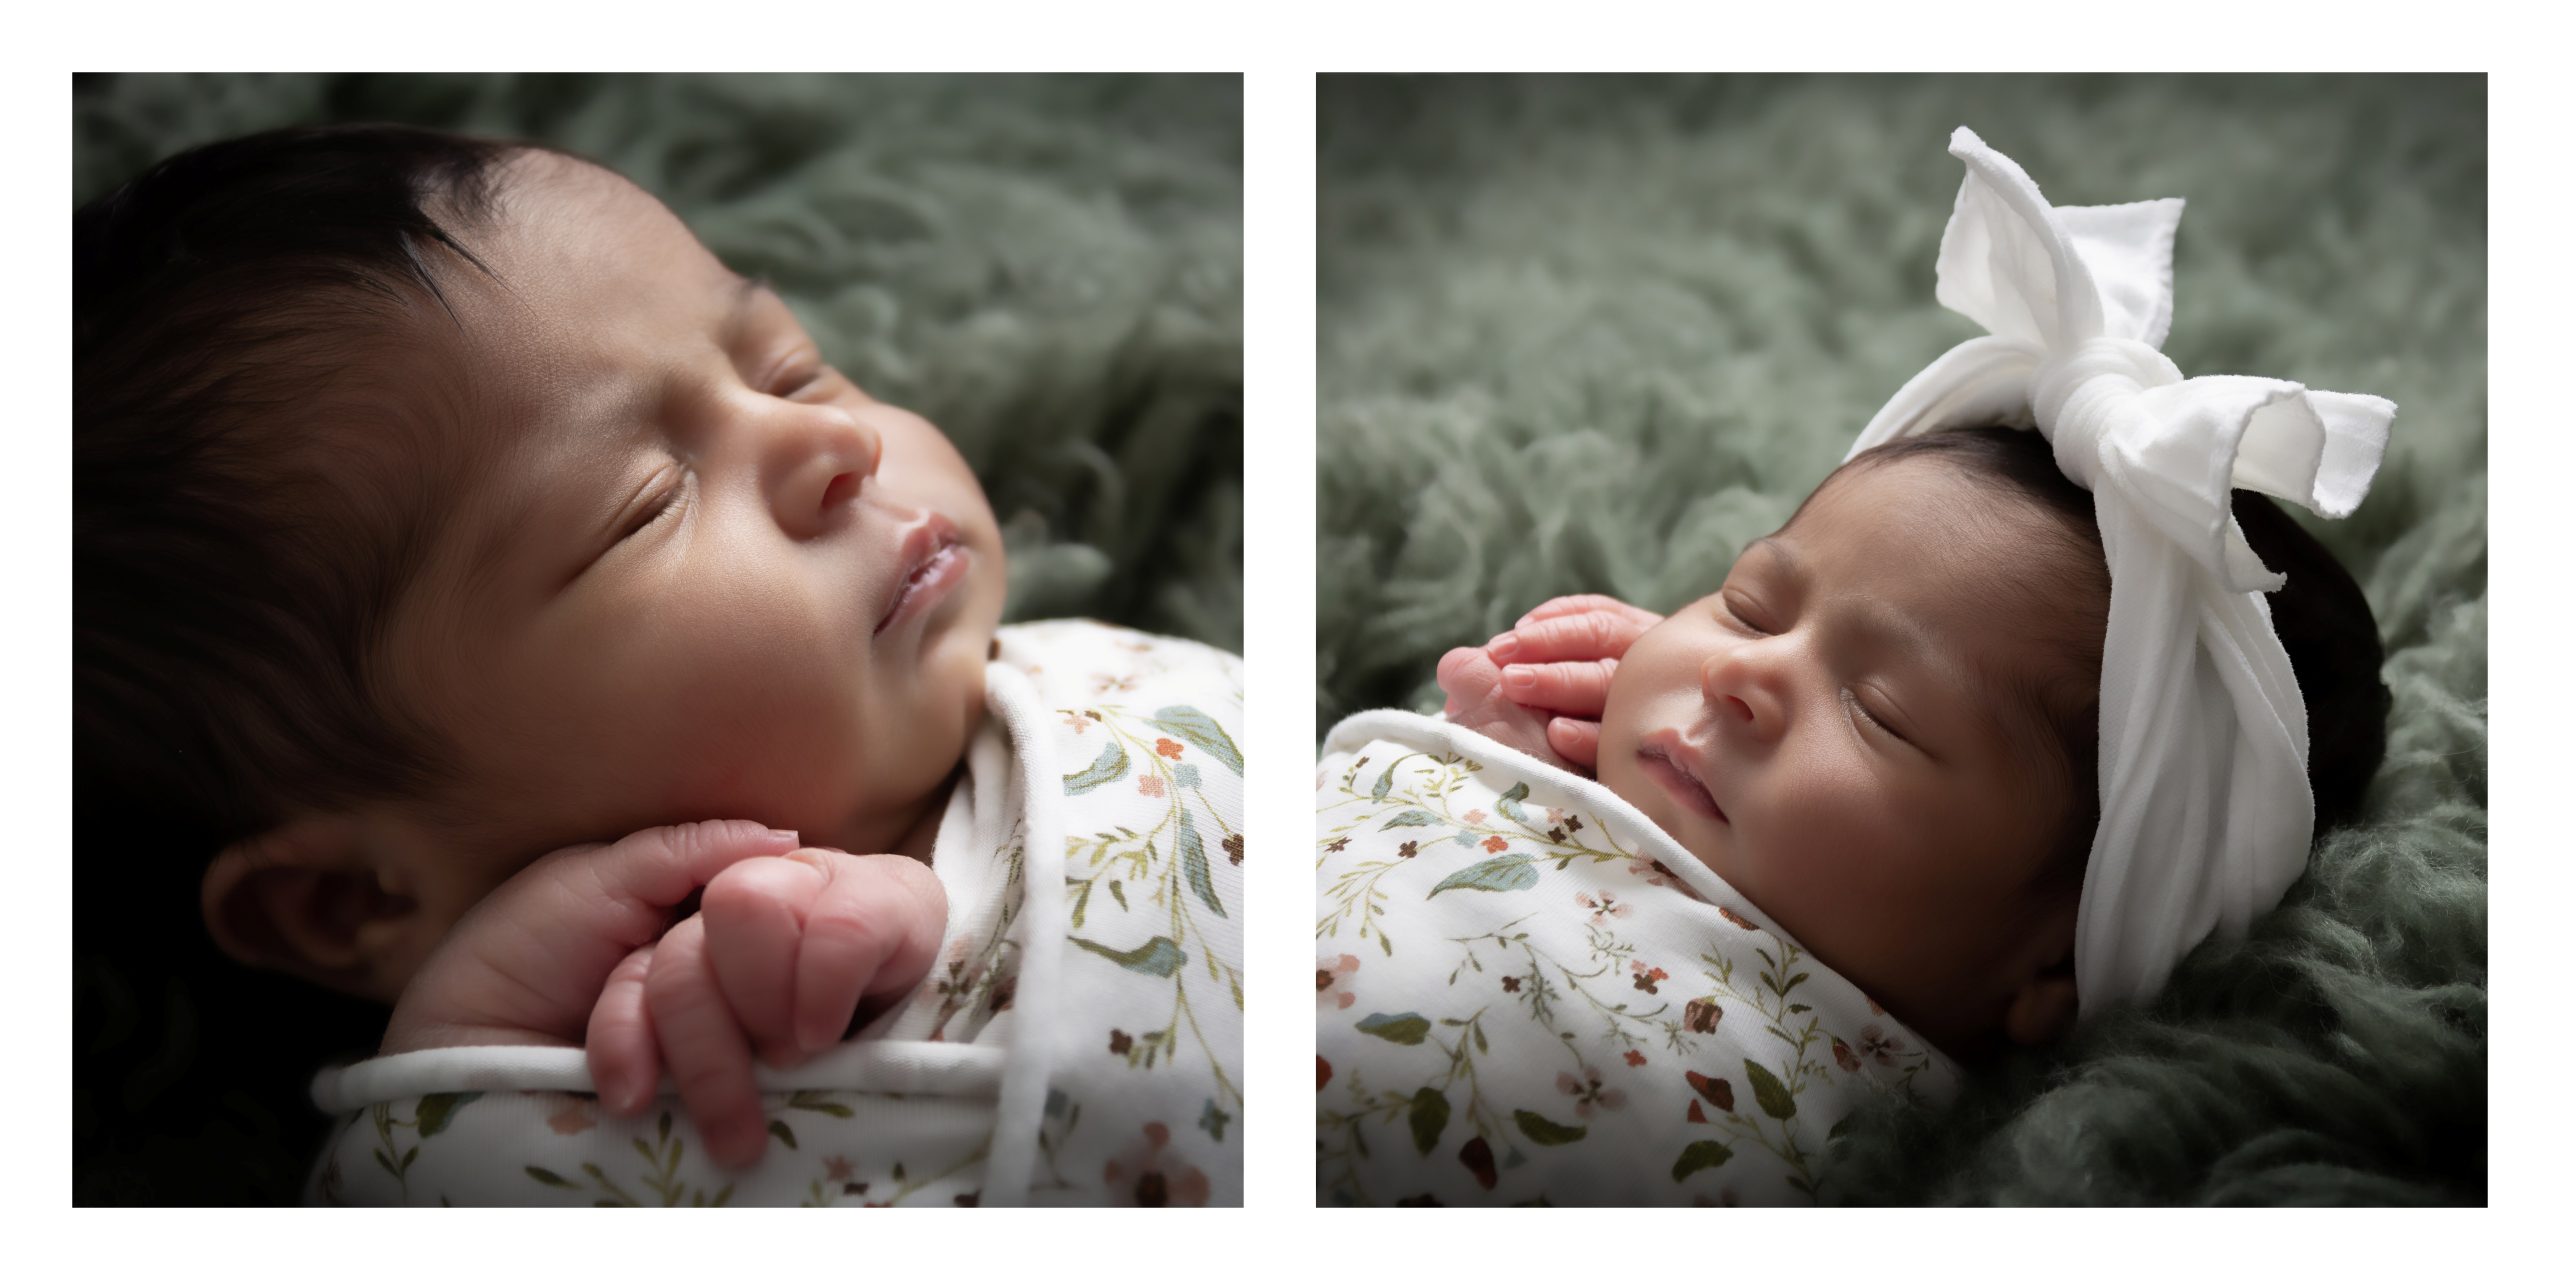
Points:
[[1593, 334], [1050, 268]]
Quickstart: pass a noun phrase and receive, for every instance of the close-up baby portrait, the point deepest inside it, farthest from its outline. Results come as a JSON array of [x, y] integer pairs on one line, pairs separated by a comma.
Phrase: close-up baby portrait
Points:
[[1828, 697], [658, 640]]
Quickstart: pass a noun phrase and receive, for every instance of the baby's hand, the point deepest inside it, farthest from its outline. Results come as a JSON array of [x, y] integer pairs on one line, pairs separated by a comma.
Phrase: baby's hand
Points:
[[525, 965], [778, 958], [1559, 658], [1474, 686]]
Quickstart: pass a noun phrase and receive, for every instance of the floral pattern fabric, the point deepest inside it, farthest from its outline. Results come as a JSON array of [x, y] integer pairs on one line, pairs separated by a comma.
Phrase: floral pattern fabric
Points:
[[1139, 1087], [1526, 993]]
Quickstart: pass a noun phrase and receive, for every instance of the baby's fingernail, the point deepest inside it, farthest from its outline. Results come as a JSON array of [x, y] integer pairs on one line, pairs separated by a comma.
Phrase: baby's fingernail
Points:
[[1519, 681], [1502, 648], [789, 837]]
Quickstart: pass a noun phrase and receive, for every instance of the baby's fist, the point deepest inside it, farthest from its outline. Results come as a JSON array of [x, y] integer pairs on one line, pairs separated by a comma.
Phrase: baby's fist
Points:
[[796, 942], [773, 966]]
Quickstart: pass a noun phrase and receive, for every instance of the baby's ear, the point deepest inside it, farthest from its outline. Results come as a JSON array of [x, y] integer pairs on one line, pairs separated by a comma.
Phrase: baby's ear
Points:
[[308, 899], [2046, 1002]]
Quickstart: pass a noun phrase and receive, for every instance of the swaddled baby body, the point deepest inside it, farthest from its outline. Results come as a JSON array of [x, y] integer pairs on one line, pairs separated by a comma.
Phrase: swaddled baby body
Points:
[[453, 504]]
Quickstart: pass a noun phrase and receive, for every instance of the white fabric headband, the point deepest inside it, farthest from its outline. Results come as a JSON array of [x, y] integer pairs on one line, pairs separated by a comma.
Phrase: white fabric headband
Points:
[[2203, 786]]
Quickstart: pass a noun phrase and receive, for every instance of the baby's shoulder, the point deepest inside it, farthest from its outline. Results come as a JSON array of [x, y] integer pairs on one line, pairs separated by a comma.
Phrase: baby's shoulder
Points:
[[1078, 662]]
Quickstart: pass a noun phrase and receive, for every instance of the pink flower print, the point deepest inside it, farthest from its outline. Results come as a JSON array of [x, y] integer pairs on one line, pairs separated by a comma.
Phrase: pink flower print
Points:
[[1602, 907], [1150, 1174], [1843, 1054], [1588, 1092], [1737, 921], [1151, 785], [839, 1169], [1496, 844], [1168, 748], [1333, 981], [1472, 817], [573, 1115], [1075, 721], [1648, 979], [1635, 1057], [1555, 817], [1877, 1046]]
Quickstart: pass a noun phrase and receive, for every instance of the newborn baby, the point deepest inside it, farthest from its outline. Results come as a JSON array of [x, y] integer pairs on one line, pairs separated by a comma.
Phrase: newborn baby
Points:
[[1882, 730], [449, 503]]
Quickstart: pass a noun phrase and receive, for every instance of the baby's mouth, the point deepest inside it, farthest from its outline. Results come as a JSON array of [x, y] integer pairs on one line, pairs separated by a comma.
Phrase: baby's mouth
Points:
[[931, 561], [1667, 759]]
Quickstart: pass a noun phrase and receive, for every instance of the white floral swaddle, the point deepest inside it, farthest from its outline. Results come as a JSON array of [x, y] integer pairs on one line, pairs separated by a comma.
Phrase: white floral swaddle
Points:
[[1526, 992], [1081, 1042]]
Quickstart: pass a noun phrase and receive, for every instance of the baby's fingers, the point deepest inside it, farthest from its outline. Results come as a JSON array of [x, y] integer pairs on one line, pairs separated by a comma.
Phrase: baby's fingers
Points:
[[622, 1049], [1566, 688], [704, 1048], [751, 923], [1580, 637], [1576, 742], [873, 930], [1566, 606]]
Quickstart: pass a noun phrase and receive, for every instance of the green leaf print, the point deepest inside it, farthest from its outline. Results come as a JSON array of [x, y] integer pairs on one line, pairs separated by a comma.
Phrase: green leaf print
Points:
[[1506, 874], [1769, 1092], [1195, 867], [1509, 804], [435, 1111], [1110, 765], [1546, 1133], [547, 1177], [1699, 1155], [1194, 726], [1430, 1115], [1378, 790], [1396, 1028], [1159, 958], [1408, 818]]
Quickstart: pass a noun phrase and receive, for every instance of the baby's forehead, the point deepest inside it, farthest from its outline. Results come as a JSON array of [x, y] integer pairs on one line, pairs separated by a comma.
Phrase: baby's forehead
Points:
[[1925, 523]]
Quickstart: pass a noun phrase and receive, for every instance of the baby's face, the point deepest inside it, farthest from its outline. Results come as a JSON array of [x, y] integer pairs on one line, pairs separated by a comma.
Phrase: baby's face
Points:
[[705, 575], [1844, 732]]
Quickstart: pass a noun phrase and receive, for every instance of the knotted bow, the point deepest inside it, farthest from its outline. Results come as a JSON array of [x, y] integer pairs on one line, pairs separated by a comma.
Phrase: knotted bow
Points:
[[2203, 783]]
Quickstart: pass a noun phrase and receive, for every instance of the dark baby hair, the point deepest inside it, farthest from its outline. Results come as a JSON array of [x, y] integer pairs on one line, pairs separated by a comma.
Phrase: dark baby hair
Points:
[[2321, 614], [244, 517]]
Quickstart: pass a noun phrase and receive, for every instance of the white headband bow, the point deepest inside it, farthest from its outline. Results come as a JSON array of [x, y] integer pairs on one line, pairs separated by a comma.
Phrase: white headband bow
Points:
[[2203, 787]]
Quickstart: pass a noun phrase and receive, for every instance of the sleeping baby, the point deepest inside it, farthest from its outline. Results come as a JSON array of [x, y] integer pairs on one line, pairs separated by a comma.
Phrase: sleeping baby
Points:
[[443, 503], [1995, 728]]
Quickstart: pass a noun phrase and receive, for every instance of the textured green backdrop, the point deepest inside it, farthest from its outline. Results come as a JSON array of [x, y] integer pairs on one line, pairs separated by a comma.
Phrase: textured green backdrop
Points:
[[1592, 334], [1048, 267]]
